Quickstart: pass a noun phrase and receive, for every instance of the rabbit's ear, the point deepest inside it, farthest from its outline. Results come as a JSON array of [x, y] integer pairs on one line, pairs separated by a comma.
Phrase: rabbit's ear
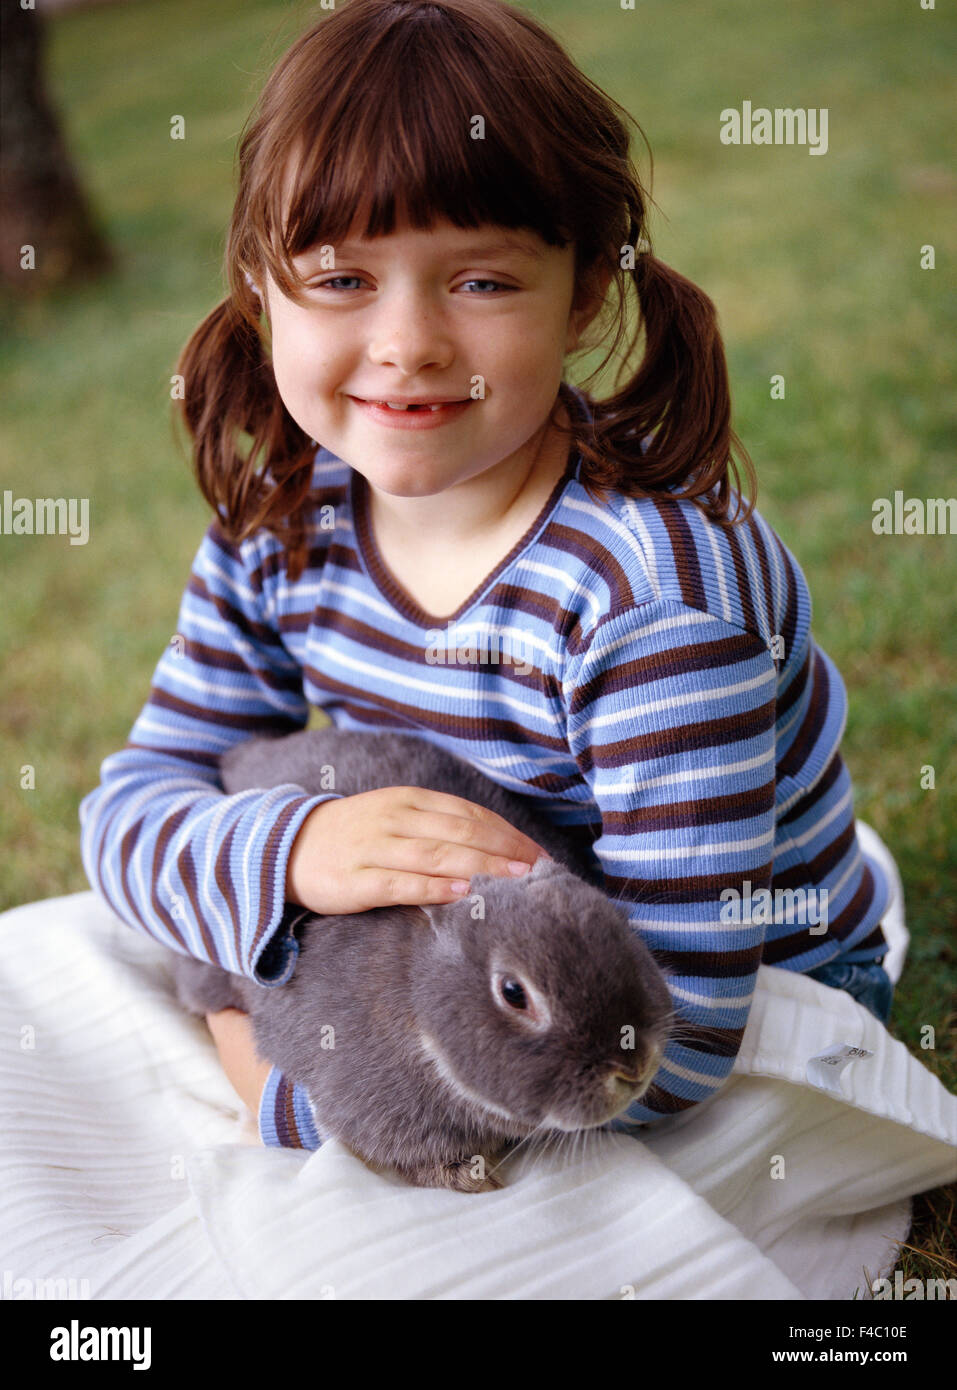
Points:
[[439, 918], [545, 867]]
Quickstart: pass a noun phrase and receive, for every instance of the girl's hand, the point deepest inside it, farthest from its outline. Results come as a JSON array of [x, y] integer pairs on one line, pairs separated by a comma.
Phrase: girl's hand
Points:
[[232, 1032], [399, 845]]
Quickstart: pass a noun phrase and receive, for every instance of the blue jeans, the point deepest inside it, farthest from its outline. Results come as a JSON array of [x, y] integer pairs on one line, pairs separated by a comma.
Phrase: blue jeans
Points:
[[869, 984]]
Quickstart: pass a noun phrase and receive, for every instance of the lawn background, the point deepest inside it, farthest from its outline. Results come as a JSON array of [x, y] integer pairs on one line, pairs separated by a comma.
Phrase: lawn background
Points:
[[812, 261]]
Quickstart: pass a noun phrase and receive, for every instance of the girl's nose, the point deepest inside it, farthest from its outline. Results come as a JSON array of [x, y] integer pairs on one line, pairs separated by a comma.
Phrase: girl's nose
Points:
[[410, 335]]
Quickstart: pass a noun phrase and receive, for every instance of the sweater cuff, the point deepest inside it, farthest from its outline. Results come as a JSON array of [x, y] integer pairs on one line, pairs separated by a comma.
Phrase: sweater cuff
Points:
[[275, 960], [286, 1119]]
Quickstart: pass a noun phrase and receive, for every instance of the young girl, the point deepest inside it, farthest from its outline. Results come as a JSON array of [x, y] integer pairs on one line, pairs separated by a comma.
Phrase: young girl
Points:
[[433, 205]]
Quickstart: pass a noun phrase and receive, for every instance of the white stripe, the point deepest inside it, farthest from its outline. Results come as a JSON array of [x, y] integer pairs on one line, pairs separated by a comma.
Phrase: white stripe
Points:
[[171, 734], [664, 926], [642, 548], [210, 847], [782, 729], [757, 586], [820, 825], [719, 569], [361, 598], [682, 851], [702, 1078], [777, 575], [442, 690], [632, 784], [674, 702], [223, 686], [112, 862], [572, 586], [198, 619], [737, 1001], [602, 648], [232, 582]]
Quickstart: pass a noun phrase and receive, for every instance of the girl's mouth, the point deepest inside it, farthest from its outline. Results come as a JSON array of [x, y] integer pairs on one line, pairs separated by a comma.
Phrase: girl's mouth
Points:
[[419, 416]]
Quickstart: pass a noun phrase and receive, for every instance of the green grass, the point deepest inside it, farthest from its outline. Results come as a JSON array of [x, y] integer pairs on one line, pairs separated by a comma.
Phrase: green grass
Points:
[[812, 261]]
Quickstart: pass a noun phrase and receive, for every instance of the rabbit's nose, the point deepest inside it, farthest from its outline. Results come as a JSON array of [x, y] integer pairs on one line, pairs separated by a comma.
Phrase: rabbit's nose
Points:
[[634, 1067], [630, 1074]]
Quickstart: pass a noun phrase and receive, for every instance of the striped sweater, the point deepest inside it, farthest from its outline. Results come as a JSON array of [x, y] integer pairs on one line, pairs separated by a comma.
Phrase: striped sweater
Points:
[[648, 677]]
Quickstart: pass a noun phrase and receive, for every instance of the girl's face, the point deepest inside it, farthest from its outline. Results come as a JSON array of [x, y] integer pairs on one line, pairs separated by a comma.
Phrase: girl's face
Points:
[[428, 316]]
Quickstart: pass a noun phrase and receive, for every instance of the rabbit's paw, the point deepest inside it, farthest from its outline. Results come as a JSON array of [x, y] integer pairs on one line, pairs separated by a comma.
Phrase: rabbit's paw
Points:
[[461, 1175]]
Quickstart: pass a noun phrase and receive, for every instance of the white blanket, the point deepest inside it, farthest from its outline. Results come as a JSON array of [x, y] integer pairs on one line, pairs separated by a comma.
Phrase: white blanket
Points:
[[128, 1162]]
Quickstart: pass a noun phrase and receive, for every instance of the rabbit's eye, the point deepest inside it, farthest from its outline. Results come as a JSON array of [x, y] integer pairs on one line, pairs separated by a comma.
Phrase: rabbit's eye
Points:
[[513, 994]]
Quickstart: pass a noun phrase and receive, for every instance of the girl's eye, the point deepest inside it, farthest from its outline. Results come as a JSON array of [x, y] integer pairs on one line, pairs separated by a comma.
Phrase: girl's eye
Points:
[[327, 284], [497, 284]]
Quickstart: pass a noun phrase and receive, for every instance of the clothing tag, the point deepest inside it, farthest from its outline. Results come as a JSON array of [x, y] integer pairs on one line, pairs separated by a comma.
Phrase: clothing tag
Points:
[[826, 1068]]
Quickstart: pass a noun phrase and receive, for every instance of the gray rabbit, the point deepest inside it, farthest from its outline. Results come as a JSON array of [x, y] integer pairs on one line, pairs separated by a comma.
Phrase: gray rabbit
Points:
[[429, 1038]]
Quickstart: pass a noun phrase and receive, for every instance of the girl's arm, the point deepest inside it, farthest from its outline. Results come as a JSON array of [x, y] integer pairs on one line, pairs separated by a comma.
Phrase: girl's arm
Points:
[[174, 856], [671, 718]]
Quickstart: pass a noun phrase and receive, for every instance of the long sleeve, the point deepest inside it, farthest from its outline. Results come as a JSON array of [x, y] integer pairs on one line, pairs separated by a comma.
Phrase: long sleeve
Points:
[[286, 1118], [173, 855], [671, 720]]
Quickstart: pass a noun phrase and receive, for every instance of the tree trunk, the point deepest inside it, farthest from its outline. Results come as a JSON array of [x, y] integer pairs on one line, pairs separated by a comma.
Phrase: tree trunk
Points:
[[48, 234]]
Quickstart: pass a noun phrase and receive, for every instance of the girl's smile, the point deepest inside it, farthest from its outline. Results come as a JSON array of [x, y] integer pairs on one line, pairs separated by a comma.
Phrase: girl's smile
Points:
[[418, 416]]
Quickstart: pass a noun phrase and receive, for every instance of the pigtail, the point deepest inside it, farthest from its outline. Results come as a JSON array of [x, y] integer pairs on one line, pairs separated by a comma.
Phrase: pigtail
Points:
[[252, 462], [669, 429]]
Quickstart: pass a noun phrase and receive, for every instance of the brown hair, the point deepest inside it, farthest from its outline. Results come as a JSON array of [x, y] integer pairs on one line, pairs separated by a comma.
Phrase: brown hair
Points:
[[365, 123]]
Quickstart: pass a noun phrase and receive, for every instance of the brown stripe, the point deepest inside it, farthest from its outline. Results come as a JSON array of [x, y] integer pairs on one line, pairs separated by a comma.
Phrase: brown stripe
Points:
[[703, 888], [874, 941], [292, 1129], [268, 880], [167, 831], [377, 712], [813, 722], [215, 718], [225, 884], [696, 656], [755, 533], [215, 660], [832, 773], [789, 624], [258, 632], [710, 810], [744, 583], [704, 1037], [600, 562], [127, 848], [663, 1102], [685, 552], [795, 690], [187, 872], [189, 756], [375, 640], [795, 944], [817, 869], [710, 965], [661, 742]]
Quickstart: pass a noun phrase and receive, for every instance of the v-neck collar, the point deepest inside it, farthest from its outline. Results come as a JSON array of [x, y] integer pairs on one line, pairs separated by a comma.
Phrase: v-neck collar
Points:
[[389, 586]]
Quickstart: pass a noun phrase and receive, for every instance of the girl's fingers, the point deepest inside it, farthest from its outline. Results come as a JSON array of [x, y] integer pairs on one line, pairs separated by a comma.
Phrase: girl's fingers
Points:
[[412, 890], [444, 859], [488, 839]]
